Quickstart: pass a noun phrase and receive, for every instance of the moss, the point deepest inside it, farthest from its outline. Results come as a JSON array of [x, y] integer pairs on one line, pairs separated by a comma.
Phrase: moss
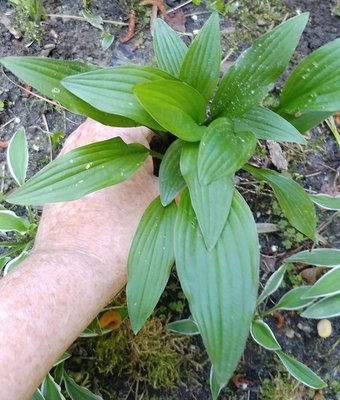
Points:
[[27, 16], [253, 18], [282, 387], [154, 356]]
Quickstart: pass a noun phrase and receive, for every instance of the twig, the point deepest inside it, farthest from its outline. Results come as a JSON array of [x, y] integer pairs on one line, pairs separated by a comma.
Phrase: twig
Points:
[[106, 21], [47, 129], [33, 94], [7, 123], [180, 6], [230, 52], [154, 12], [131, 31], [3, 172]]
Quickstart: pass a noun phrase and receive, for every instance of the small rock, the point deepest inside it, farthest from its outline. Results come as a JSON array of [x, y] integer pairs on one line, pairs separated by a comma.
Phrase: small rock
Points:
[[304, 328], [261, 22], [290, 333], [324, 328]]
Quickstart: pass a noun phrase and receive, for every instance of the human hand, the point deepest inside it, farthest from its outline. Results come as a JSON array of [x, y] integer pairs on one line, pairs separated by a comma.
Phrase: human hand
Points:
[[77, 265], [102, 223]]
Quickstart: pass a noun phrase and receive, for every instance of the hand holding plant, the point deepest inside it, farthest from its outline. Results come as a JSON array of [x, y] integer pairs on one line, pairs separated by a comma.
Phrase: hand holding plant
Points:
[[114, 217], [212, 235]]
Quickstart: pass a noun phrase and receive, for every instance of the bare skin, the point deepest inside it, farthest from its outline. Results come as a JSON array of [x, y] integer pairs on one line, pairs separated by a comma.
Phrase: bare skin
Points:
[[77, 265]]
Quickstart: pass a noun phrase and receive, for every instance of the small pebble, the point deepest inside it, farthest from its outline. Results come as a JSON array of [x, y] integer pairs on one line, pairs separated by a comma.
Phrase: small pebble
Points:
[[304, 328], [324, 328], [290, 333], [261, 22]]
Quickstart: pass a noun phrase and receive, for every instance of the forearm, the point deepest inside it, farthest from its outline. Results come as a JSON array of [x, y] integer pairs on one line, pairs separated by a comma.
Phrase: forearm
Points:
[[50, 295]]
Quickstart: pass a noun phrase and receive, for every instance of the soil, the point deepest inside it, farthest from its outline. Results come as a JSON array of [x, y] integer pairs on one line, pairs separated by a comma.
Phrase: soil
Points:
[[317, 168]]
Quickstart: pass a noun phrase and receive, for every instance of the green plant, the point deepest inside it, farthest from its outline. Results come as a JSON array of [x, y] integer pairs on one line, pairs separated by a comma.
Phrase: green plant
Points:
[[21, 229], [212, 235], [319, 301], [281, 387], [155, 356], [28, 15]]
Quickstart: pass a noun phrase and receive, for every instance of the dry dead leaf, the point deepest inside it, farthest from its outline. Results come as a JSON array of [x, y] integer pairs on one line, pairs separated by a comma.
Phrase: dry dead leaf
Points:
[[7, 23], [310, 275], [276, 155], [177, 20]]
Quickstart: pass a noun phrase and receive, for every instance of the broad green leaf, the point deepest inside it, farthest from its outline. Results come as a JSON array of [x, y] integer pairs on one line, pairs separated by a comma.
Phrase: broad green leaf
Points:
[[45, 75], [50, 389], [326, 308], [210, 202], [201, 66], [111, 90], [221, 284], [171, 181], [38, 395], [9, 221], [82, 171], [149, 265], [267, 125], [169, 48], [17, 156], [184, 327], [257, 69], [307, 120], [293, 300], [263, 335], [319, 257], [176, 106], [294, 201], [62, 358], [327, 202], [77, 392], [272, 284], [222, 152], [301, 372], [327, 285], [314, 85], [93, 330]]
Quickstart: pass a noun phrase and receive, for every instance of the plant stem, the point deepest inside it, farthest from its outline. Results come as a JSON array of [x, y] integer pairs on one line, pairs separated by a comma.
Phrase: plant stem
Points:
[[106, 21], [30, 214], [155, 154]]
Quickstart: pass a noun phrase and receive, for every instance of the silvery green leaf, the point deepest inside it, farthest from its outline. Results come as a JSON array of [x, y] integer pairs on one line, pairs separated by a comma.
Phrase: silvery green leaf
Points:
[[326, 201], [263, 335], [318, 257], [293, 300], [327, 285], [9, 222], [328, 307], [184, 327], [301, 372], [17, 156], [272, 284], [50, 389]]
